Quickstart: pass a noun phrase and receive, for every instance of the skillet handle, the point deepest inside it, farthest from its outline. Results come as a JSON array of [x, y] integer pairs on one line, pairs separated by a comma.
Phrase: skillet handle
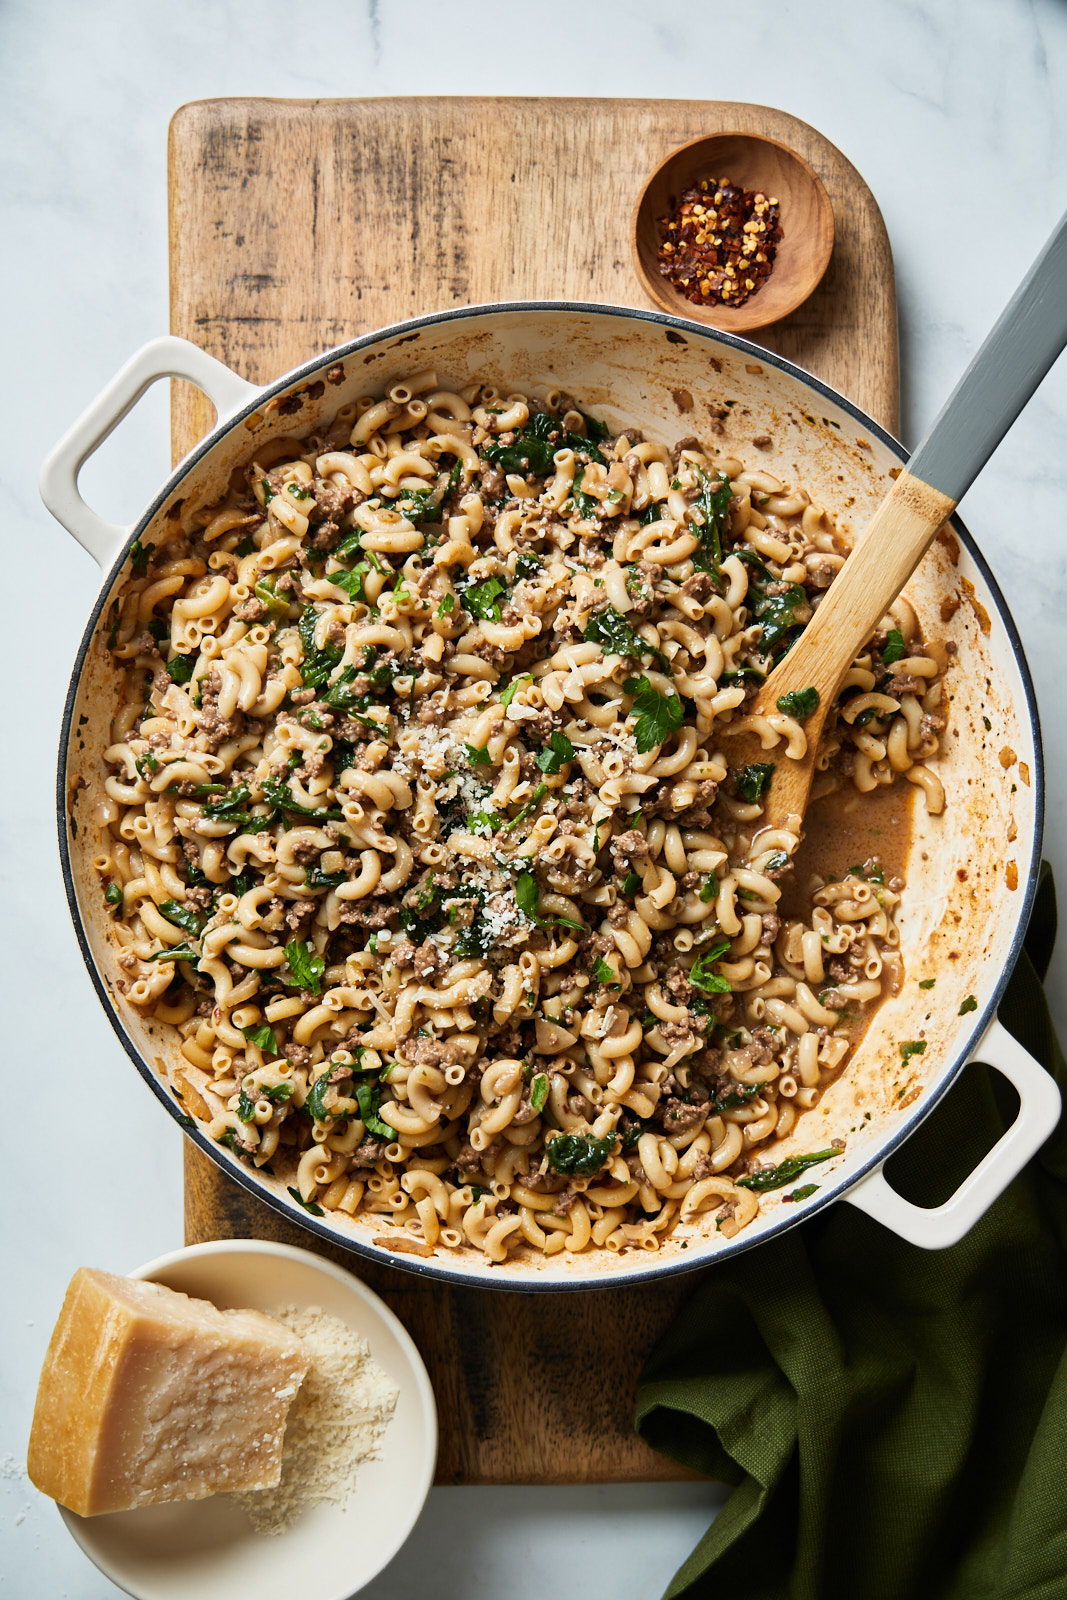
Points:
[[163, 358], [934, 1228]]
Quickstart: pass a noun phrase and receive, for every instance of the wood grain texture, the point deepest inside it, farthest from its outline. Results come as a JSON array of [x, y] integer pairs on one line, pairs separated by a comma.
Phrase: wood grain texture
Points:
[[894, 542], [298, 224], [759, 165]]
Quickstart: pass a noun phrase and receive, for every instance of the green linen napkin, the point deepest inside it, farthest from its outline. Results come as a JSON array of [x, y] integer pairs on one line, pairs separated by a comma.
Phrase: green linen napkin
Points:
[[894, 1419]]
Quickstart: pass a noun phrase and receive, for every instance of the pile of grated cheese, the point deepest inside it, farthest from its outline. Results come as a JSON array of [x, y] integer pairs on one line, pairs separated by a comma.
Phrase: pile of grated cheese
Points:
[[336, 1422]]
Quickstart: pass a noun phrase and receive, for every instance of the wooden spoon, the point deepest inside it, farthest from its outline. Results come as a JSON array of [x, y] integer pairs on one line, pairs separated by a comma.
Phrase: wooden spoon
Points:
[[1028, 337]]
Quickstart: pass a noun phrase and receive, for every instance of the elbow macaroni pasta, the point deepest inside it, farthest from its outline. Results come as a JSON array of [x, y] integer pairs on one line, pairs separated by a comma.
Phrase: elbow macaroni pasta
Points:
[[421, 832]]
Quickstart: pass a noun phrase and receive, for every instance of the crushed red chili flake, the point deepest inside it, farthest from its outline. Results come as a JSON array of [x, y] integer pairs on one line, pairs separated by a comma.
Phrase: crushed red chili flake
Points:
[[718, 243]]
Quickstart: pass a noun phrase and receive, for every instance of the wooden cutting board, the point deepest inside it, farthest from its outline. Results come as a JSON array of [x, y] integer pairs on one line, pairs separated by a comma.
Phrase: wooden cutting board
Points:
[[295, 225]]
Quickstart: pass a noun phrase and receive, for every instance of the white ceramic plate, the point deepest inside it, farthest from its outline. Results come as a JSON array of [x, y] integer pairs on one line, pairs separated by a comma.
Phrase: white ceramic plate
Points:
[[208, 1548]]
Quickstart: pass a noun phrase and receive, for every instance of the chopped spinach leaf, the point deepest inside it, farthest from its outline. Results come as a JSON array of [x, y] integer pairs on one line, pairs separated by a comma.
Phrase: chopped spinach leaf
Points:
[[927, 983], [970, 1004], [713, 504], [180, 668], [914, 1047], [733, 1098], [527, 565], [369, 1097], [183, 917], [113, 894], [753, 782], [803, 1193], [799, 703], [277, 604], [611, 631], [480, 599], [630, 884], [176, 952], [603, 973], [139, 554], [777, 1177], [478, 755], [576, 1156], [539, 1091], [315, 878], [308, 1205]]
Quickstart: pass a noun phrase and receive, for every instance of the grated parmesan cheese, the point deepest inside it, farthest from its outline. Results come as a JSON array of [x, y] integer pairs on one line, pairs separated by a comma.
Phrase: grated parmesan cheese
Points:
[[336, 1422]]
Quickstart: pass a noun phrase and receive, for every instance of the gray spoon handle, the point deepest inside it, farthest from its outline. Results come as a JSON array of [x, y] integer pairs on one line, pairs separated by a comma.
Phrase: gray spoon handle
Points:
[[1029, 335]]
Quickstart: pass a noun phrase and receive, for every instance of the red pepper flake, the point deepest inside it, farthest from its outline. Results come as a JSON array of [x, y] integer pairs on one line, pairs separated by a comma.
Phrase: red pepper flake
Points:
[[713, 231]]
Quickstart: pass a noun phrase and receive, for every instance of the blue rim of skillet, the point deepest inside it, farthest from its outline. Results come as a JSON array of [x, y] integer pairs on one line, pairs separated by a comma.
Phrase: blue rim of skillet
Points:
[[648, 1271]]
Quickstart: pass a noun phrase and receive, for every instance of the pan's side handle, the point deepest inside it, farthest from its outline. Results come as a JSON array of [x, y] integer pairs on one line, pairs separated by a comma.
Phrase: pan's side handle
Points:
[[936, 1227], [162, 358]]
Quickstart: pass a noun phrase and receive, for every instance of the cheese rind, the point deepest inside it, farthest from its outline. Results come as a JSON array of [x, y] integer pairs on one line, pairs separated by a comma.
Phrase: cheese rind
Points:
[[147, 1395]]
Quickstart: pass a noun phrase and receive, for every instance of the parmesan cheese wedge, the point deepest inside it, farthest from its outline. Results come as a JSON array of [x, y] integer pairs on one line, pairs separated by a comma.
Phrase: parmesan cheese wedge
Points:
[[147, 1395]]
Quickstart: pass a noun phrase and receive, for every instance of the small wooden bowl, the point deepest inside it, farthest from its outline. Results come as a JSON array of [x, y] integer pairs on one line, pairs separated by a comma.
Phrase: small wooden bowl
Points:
[[806, 218]]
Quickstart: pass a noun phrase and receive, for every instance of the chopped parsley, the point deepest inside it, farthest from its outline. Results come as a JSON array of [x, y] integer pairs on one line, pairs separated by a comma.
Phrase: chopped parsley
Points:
[[702, 977], [558, 750], [658, 715], [478, 755], [508, 694], [894, 647], [180, 668]]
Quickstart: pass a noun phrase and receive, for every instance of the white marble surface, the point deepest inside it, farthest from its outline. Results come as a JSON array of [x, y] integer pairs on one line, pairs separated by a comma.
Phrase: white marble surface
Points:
[[953, 110]]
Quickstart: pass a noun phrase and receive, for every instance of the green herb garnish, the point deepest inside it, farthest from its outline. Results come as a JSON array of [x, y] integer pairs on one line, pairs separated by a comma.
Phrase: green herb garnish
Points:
[[970, 1004], [914, 1047], [658, 715], [558, 750], [539, 1091], [702, 977], [894, 647]]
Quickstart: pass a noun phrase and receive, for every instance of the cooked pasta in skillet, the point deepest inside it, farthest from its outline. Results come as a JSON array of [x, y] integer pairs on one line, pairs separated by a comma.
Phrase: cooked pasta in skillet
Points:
[[421, 827]]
